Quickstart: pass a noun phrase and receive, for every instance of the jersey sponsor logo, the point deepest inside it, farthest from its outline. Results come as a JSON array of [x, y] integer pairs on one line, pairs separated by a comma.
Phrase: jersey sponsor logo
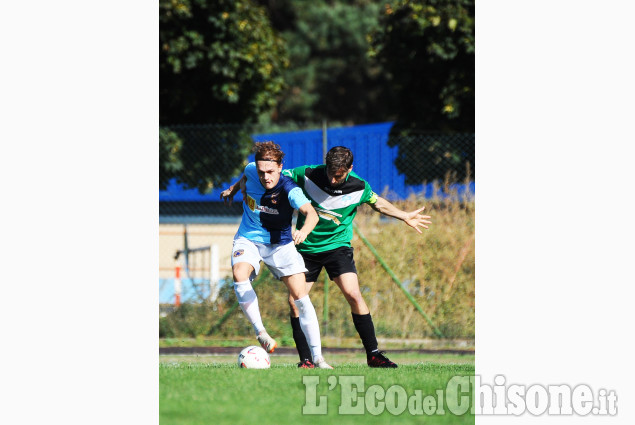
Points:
[[238, 252], [266, 210], [251, 203], [274, 198]]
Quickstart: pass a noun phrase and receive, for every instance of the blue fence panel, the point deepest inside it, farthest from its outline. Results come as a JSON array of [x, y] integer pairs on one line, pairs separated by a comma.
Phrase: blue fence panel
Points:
[[373, 158], [299, 147], [373, 161]]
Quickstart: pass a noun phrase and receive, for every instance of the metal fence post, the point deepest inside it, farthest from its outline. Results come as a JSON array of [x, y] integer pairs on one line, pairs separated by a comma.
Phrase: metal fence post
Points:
[[324, 141]]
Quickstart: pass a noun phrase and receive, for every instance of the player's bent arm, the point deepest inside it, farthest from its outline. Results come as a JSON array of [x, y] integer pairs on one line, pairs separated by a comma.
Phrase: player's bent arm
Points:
[[412, 219], [227, 195], [310, 222]]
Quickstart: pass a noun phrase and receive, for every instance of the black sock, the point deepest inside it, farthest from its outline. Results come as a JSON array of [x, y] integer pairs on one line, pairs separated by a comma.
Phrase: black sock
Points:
[[366, 330], [304, 351]]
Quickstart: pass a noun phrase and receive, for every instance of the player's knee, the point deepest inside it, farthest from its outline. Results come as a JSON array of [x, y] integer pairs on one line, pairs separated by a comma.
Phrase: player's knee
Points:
[[354, 297], [240, 274]]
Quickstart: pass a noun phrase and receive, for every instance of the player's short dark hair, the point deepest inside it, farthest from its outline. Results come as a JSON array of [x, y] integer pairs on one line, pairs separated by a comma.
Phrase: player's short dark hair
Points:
[[339, 157], [268, 151]]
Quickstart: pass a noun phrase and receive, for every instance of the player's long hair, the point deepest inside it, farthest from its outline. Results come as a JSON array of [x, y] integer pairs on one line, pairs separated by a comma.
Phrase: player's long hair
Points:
[[268, 151]]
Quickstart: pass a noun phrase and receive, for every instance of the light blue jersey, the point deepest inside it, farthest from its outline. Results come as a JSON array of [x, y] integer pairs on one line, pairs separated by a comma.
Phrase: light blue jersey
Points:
[[267, 213]]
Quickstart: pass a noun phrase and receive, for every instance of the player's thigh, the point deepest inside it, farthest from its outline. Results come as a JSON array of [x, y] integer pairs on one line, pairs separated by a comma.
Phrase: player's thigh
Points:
[[245, 259], [348, 284], [283, 261]]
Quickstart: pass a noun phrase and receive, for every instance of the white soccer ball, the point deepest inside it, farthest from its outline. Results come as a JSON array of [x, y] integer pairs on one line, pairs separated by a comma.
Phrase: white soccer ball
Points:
[[254, 357]]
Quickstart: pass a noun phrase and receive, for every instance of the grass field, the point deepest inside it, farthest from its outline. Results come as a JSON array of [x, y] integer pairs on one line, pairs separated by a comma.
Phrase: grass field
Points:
[[214, 390]]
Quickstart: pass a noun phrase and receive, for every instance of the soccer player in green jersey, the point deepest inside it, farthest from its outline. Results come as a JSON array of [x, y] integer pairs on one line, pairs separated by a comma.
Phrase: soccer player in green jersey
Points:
[[335, 192]]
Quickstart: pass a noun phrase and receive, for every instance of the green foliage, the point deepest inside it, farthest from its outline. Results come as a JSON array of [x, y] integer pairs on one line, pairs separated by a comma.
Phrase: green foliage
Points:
[[428, 48], [187, 320], [330, 76], [191, 154], [170, 162], [438, 156], [219, 61]]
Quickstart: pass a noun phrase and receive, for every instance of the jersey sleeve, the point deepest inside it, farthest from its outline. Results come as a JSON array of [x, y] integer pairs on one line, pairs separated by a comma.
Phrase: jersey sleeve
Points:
[[368, 197], [297, 198], [296, 174]]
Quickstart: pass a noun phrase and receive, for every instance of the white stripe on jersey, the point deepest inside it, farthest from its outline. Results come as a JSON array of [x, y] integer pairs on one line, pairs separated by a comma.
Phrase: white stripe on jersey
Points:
[[328, 201]]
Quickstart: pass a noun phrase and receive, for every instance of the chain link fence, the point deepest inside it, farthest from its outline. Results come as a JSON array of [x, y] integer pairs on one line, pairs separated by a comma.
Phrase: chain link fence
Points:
[[410, 169], [198, 162]]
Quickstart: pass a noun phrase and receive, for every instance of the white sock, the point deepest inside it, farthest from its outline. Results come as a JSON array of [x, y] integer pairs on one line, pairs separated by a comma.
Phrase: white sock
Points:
[[310, 325], [248, 302]]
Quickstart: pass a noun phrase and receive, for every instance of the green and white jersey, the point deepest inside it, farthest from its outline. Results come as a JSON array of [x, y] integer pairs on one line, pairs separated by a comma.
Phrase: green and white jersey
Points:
[[336, 207]]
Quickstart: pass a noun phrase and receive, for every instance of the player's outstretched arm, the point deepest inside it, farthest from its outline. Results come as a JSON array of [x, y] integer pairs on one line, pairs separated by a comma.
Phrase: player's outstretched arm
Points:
[[299, 235], [227, 195], [413, 218]]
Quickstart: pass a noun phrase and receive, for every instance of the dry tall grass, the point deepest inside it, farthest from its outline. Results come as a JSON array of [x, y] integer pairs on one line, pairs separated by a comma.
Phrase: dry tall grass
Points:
[[437, 267]]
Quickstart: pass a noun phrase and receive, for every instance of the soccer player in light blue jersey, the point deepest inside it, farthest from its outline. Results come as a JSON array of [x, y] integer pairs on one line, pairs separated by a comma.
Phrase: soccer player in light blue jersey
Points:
[[266, 234]]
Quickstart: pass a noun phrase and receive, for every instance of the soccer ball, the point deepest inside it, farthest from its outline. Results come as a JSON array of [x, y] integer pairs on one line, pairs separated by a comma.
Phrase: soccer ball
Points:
[[254, 357]]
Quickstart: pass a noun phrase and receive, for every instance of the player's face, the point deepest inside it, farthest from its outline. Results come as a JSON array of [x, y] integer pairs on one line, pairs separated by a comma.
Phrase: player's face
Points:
[[338, 177], [268, 173]]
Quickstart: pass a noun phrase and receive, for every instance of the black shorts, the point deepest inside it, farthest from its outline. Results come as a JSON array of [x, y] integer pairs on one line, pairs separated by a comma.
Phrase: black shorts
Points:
[[336, 262]]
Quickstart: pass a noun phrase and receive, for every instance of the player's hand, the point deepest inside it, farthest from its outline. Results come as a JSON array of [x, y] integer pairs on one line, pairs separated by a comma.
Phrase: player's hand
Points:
[[298, 236], [227, 196], [414, 219]]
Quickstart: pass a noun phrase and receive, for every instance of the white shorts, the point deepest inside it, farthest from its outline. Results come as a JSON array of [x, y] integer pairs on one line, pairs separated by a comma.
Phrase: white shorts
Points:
[[282, 260]]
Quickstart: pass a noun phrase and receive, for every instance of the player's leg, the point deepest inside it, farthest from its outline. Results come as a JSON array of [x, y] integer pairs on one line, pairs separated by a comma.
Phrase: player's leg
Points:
[[301, 344], [349, 285], [341, 268], [286, 264], [245, 265], [313, 265], [296, 284]]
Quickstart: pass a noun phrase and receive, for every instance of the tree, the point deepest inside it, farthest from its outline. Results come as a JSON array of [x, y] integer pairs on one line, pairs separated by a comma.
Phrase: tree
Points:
[[330, 75], [427, 47], [202, 156], [220, 61]]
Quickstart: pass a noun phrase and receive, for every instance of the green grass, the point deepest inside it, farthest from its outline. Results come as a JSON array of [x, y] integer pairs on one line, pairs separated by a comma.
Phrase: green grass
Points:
[[214, 390], [327, 341]]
